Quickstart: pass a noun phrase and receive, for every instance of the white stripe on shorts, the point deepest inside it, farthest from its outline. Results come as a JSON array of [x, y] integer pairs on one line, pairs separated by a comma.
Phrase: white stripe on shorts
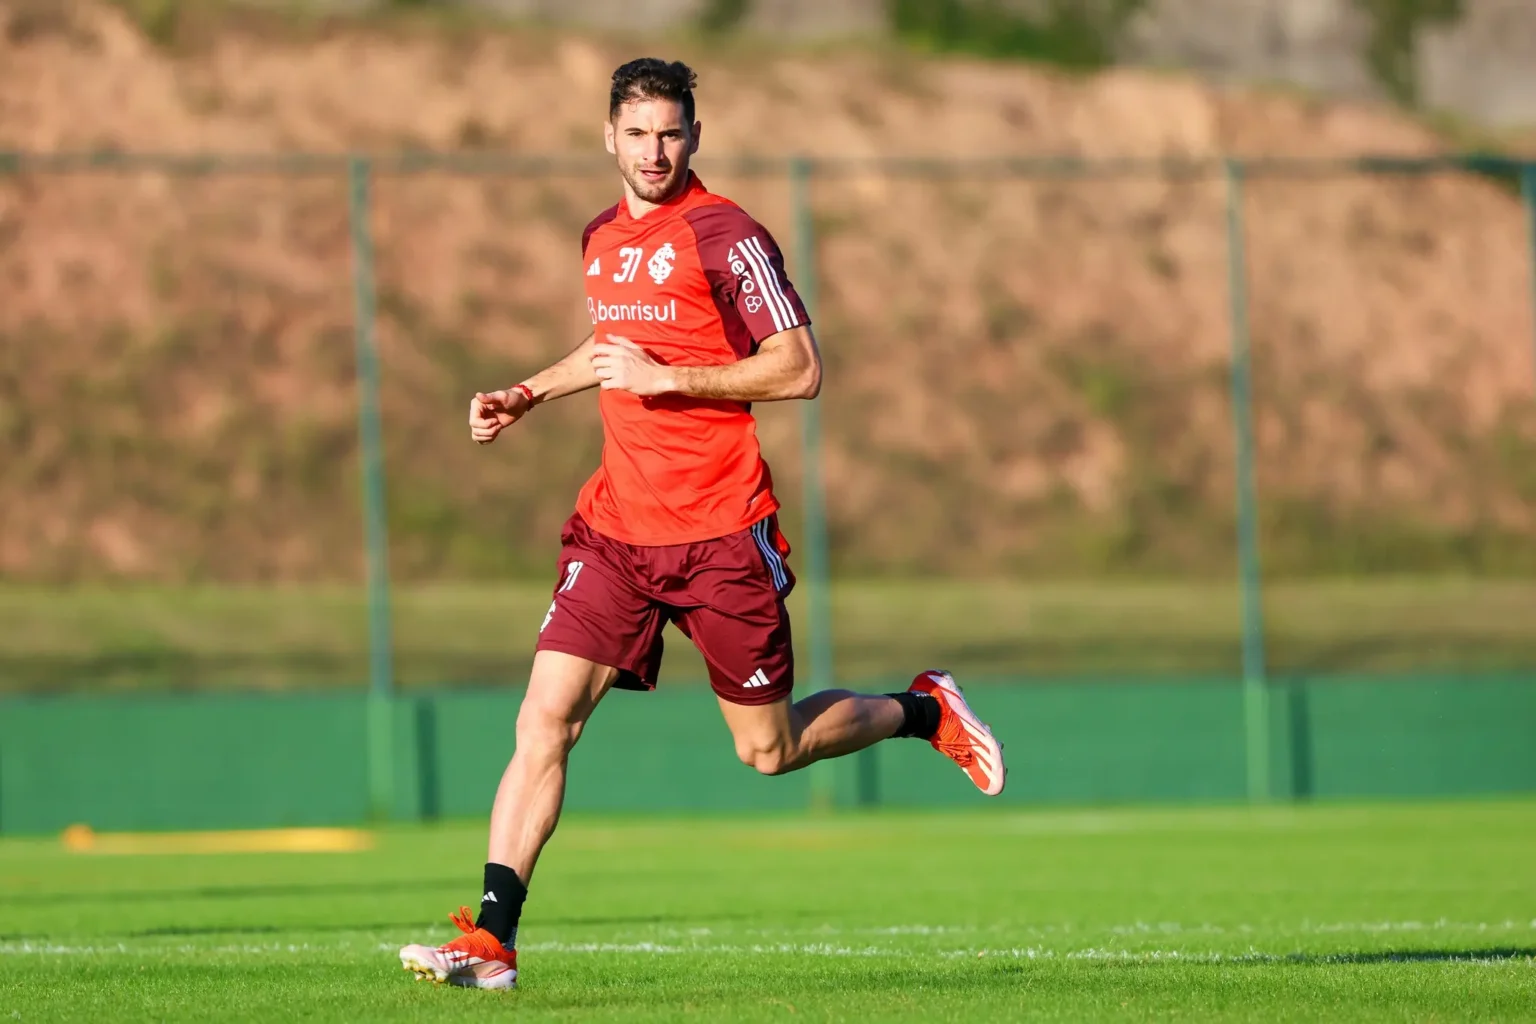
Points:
[[770, 554]]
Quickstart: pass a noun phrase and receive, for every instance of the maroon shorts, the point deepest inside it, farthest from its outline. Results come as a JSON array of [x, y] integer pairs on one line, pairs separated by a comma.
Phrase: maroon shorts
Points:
[[613, 600]]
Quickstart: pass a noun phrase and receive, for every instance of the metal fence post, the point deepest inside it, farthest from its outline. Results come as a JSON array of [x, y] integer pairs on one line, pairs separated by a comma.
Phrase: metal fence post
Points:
[[817, 575], [1255, 676], [381, 688], [1528, 188]]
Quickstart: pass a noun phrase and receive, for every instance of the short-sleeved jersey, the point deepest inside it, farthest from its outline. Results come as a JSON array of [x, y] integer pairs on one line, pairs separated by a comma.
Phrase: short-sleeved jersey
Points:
[[694, 282]]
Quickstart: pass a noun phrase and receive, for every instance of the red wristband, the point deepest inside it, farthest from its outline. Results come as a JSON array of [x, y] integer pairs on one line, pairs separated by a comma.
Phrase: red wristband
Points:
[[526, 390]]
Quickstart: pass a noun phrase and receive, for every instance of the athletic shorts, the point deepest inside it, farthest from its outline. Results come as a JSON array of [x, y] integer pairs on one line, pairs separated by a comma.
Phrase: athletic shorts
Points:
[[612, 601]]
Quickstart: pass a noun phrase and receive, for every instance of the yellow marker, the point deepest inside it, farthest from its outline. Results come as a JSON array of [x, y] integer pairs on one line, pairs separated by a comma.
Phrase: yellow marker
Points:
[[84, 839]]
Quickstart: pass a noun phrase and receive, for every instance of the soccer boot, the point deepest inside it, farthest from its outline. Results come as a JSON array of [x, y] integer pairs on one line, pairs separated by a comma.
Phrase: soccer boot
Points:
[[961, 736], [475, 959]]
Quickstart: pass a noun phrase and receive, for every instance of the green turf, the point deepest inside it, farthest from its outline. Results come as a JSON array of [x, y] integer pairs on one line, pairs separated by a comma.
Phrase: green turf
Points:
[[1409, 912], [157, 637]]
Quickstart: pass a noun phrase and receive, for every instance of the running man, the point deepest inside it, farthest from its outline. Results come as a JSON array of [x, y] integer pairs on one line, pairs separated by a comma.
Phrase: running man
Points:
[[693, 321]]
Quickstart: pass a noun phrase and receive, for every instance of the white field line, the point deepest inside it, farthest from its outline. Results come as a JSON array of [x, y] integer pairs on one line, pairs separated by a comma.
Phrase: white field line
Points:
[[832, 949], [1321, 928], [1139, 928], [754, 949], [1253, 956], [1176, 928]]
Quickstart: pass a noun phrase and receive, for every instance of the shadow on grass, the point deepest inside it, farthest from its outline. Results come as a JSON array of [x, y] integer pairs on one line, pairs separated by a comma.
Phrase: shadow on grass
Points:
[[178, 931], [1027, 656], [1398, 956], [313, 889], [183, 931], [159, 671], [229, 892], [1412, 956]]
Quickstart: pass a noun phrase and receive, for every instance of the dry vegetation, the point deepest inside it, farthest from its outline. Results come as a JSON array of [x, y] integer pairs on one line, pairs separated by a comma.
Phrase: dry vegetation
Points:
[[1021, 375]]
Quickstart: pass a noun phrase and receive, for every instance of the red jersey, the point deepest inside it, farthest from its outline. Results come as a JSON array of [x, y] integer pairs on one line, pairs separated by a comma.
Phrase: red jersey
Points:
[[694, 282]]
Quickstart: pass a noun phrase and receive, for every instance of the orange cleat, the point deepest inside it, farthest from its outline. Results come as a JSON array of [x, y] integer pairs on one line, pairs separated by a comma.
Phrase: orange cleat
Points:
[[962, 737], [476, 959]]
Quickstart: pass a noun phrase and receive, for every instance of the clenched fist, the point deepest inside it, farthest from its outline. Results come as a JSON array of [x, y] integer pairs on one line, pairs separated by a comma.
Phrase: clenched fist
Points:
[[490, 413], [622, 365]]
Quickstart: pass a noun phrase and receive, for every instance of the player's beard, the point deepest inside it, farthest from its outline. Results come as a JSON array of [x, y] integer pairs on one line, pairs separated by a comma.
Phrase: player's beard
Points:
[[655, 191]]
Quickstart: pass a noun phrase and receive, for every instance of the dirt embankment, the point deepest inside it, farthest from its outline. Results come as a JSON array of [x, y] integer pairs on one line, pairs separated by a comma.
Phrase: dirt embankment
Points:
[[1021, 374]]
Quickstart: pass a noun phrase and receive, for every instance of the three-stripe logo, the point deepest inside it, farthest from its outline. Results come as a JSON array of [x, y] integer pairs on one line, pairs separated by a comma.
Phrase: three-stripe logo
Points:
[[760, 283], [572, 572], [758, 679], [770, 551]]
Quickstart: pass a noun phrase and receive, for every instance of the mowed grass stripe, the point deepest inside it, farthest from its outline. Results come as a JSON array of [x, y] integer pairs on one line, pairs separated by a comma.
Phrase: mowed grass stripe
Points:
[[113, 638], [1364, 912]]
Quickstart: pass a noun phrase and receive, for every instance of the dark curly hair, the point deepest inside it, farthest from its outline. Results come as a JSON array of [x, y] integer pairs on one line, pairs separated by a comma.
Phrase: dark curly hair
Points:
[[652, 79]]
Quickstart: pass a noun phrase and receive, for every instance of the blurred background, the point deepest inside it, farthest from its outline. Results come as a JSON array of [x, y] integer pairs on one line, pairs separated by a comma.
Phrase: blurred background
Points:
[[1180, 393]]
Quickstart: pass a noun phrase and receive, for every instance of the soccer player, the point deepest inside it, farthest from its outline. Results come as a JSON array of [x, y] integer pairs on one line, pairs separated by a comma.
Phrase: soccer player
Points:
[[693, 321]]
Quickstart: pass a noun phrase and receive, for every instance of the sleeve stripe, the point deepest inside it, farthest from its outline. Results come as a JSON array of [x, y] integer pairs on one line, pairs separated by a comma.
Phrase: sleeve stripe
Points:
[[762, 271], [773, 286], [783, 311]]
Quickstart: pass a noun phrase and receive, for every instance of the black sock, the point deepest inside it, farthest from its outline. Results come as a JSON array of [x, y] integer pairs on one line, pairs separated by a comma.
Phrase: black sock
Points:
[[502, 903], [921, 711]]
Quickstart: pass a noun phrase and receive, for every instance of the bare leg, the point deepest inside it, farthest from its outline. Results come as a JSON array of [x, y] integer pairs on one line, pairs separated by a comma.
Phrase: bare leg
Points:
[[562, 692], [781, 737]]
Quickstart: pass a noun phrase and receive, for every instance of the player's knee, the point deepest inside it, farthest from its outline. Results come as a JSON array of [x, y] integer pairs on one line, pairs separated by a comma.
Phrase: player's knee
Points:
[[542, 732], [773, 759]]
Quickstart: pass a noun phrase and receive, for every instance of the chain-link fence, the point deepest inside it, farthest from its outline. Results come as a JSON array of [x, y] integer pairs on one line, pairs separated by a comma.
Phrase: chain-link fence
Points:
[[1115, 419]]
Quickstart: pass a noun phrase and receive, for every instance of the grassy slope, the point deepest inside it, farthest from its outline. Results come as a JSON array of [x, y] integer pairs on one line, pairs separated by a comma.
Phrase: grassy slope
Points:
[[1359, 913], [276, 637], [144, 495]]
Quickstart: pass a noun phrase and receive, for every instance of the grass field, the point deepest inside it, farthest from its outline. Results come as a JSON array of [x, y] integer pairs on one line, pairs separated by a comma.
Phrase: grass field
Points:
[[1398, 913], [105, 638]]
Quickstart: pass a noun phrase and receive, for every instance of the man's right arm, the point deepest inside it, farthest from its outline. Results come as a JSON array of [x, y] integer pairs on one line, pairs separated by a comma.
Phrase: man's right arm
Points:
[[491, 413], [572, 374]]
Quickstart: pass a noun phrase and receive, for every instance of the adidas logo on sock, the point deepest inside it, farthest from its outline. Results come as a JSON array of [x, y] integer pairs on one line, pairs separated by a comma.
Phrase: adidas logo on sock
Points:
[[489, 897]]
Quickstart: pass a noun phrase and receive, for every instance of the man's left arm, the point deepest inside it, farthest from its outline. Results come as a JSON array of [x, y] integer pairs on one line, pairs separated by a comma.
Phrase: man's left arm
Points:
[[786, 365]]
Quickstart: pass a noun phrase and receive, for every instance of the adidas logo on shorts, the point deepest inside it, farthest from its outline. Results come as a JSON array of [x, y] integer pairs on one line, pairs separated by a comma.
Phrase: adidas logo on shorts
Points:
[[758, 679]]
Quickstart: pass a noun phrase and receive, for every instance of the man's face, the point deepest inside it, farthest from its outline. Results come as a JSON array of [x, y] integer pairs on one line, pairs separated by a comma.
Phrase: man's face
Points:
[[652, 143]]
